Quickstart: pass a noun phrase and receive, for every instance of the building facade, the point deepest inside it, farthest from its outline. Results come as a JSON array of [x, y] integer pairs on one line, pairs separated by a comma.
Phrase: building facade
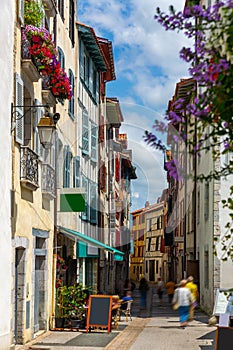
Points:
[[6, 91]]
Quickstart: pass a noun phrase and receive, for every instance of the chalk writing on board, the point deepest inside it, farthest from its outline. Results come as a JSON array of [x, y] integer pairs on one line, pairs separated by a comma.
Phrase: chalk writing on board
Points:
[[223, 302]]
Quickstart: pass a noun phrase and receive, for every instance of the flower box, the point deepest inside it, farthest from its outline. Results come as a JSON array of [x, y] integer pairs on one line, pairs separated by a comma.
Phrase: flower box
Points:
[[37, 45]]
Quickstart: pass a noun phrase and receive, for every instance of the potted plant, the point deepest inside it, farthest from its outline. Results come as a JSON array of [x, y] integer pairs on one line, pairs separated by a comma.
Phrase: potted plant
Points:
[[60, 306], [37, 45], [75, 299], [33, 12]]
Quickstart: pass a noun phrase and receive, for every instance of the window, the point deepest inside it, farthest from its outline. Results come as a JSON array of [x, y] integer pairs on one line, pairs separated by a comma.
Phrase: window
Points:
[[88, 72], [85, 214], [157, 243], [94, 142], [85, 132], [81, 59], [61, 8], [148, 244], [71, 101], [159, 222], [71, 21], [93, 203], [149, 224], [67, 167], [76, 166], [206, 201], [61, 57]]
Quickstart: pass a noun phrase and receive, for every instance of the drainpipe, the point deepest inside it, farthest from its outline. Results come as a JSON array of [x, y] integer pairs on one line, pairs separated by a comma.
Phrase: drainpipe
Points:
[[185, 204]]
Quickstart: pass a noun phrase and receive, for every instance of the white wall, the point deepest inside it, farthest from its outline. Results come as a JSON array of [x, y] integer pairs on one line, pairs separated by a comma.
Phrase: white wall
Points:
[[6, 73]]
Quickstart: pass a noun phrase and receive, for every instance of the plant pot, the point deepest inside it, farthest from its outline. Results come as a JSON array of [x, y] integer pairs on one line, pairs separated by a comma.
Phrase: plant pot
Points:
[[75, 323], [59, 322]]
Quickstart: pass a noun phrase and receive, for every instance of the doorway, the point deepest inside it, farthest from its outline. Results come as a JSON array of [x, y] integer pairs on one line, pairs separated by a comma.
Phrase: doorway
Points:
[[20, 279]]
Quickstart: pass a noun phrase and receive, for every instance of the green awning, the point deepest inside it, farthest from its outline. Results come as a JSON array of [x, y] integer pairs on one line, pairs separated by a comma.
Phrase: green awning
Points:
[[72, 200], [118, 255]]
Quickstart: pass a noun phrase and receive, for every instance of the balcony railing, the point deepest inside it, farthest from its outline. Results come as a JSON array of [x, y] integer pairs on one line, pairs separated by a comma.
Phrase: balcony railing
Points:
[[48, 181], [28, 168]]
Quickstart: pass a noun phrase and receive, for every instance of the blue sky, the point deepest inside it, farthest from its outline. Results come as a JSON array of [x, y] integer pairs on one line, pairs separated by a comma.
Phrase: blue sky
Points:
[[147, 67]]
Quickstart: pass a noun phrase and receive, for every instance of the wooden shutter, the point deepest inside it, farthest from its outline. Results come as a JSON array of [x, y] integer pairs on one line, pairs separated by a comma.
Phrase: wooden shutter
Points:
[[19, 111], [93, 203], [21, 11], [71, 101], [85, 214], [39, 113], [81, 59], [67, 161], [94, 142], [85, 133], [76, 166]]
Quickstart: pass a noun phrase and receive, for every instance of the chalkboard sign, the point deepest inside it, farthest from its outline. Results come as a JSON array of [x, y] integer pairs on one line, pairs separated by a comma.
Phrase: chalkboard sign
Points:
[[99, 312], [224, 338], [223, 302]]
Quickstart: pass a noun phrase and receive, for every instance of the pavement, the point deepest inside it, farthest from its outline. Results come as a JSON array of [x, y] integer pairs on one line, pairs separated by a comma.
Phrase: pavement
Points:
[[154, 328]]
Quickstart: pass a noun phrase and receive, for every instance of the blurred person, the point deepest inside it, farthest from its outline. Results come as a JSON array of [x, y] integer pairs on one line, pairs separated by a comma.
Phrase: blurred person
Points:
[[170, 287], [195, 295], [143, 289], [160, 289], [183, 297]]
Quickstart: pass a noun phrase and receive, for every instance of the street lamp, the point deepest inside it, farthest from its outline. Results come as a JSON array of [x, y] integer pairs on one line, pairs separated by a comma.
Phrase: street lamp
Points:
[[46, 127]]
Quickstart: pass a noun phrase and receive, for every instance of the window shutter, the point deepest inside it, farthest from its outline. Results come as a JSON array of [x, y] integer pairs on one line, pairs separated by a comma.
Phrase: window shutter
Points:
[[85, 132], [21, 11], [76, 166], [19, 101], [67, 161], [36, 140], [91, 76], [94, 143], [81, 60], [97, 86], [61, 57], [37, 146], [84, 215], [71, 101], [93, 203]]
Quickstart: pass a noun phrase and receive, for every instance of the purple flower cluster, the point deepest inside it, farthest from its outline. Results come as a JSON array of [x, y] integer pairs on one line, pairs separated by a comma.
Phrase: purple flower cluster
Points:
[[211, 67]]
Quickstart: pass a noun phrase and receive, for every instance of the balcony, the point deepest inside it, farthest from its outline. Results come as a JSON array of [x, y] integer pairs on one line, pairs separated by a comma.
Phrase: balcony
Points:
[[47, 95], [28, 168], [48, 181], [30, 70], [28, 65]]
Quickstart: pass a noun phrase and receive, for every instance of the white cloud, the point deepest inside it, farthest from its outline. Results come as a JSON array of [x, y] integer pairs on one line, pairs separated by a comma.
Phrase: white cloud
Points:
[[148, 66]]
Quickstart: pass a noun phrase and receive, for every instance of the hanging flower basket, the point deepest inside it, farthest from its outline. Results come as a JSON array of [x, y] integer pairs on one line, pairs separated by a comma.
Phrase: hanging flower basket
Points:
[[37, 44]]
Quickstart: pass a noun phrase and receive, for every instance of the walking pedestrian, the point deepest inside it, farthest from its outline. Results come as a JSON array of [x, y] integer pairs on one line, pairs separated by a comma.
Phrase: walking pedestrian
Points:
[[160, 289], [183, 297], [170, 287], [143, 288], [195, 295]]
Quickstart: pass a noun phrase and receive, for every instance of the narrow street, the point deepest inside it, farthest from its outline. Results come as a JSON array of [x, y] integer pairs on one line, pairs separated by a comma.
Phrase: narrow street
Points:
[[156, 327]]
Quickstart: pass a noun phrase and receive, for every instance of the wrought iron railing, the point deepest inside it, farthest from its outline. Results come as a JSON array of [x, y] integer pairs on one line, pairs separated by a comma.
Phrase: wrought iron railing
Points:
[[29, 167], [48, 180]]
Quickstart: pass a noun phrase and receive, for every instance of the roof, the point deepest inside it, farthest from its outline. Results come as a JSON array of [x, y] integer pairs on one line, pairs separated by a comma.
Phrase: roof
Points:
[[113, 111], [181, 91], [106, 46], [91, 42]]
